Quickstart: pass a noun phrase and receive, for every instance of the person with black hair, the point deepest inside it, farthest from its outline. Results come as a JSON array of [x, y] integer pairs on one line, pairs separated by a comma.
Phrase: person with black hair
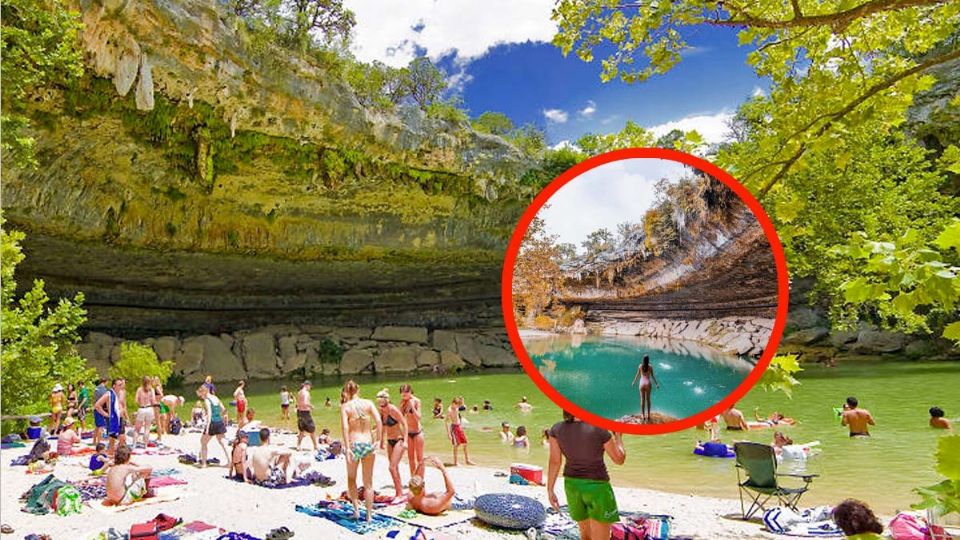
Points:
[[937, 420], [580, 447], [856, 419], [856, 520]]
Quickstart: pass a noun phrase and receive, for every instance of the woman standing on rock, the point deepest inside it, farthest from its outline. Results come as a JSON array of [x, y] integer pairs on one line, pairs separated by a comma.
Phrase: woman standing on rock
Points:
[[361, 426], [646, 376], [410, 405]]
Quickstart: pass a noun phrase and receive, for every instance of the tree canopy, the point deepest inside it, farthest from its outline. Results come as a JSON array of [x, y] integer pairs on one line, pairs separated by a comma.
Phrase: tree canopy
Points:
[[827, 150]]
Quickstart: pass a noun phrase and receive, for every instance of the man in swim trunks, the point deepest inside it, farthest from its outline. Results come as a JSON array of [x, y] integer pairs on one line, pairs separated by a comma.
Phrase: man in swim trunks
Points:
[[455, 428], [734, 419], [266, 462], [431, 504], [586, 482], [99, 421], [937, 419], [524, 406], [113, 407], [305, 425], [127, 483], [856, 419]]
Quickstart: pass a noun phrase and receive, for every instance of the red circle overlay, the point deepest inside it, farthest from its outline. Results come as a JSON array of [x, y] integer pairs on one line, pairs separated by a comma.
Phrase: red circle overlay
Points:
[[783, 289]]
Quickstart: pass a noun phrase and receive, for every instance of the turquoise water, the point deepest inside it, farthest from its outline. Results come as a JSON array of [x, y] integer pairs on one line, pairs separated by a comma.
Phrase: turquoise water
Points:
[[881, 470], [596, 373]]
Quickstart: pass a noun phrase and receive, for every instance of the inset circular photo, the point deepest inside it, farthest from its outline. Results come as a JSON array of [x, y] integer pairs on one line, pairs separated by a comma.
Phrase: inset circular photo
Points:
[[645, 290]]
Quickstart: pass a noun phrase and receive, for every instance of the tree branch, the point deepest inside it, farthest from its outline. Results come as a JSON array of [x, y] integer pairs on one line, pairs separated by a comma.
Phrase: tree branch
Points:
[[838, 19], [835, 116]]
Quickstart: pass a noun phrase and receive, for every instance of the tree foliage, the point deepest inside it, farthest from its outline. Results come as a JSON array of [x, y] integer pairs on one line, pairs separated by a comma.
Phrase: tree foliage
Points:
[[39, 46], [943, 497], [494, 123], [826, 150], [136, 362], [537, 277], [425, 82], [38, 339]]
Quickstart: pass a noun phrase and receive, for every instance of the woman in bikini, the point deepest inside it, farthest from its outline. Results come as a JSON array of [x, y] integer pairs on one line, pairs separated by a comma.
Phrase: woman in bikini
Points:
[[56, 408], [646, 376], [393, 434], [361, 426], [145, 414], [215, 424], [410, 405]]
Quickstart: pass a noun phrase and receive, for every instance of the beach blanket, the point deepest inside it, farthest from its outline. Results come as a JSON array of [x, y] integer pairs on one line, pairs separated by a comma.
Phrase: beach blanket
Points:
[[811, 522], [171, 471], [342, 515], [8, 445], [157, 499], [91, 489], [312, 478], [558, 523], [412, 517], [164, 481]]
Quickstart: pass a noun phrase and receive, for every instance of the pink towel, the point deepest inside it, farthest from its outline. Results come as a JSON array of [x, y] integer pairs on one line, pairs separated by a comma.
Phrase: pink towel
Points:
[[163, 481]]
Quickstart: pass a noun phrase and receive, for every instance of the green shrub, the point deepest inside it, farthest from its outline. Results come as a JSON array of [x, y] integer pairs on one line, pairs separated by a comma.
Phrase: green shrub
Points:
[[329, 352], [136, 362], [448, 110], [569, 315]]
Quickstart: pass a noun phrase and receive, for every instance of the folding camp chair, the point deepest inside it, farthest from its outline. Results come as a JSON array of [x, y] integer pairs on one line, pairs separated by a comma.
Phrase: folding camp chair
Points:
[[759, 463]]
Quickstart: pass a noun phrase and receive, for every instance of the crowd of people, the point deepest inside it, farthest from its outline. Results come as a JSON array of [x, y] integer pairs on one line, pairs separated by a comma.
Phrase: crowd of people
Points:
[[395, 428]]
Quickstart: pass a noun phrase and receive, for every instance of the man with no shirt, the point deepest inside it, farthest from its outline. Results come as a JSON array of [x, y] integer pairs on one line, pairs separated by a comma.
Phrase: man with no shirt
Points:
[[856, 419], [305, 423], [266, 461], [734, 419]]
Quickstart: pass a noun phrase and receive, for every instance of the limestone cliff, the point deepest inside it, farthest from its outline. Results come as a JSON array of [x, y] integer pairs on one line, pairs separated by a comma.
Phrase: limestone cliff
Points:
[[193, 184]]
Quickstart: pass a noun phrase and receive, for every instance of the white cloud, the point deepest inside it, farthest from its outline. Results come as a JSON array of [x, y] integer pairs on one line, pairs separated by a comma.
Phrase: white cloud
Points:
[[606, 196], [385, 31], [563, 144], [712, 127], [758, 92], [557, 116], [589, 110]]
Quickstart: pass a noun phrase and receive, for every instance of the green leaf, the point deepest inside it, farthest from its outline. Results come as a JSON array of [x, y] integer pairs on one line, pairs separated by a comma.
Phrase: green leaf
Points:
[[948, 456], [950, 237], [952, 331]]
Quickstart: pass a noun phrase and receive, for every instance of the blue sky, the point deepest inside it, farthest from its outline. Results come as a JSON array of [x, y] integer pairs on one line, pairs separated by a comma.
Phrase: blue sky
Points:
[[497, 54], [605, 196]]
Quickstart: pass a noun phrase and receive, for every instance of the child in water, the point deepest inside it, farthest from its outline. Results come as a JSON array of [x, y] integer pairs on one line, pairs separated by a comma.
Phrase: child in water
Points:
[[520, 440]]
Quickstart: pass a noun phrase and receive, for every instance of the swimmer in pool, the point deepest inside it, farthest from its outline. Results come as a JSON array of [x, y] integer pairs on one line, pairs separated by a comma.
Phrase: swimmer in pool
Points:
[[523, 406], [646, 376], [856, 419], [775, 419]]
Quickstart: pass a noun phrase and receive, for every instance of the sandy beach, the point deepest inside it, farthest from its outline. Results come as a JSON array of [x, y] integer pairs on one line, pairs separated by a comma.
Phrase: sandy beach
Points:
[[210, 497]]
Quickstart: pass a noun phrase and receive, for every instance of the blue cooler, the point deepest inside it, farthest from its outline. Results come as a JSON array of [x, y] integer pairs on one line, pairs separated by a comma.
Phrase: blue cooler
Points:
[[34, 432], [253, 437]]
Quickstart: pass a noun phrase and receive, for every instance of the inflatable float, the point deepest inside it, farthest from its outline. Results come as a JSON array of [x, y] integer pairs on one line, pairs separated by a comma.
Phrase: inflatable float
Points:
[[714, 449], [798, 452], [510, 511]]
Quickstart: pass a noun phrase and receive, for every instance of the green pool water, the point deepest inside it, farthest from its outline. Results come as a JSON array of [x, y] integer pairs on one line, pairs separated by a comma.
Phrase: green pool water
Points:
[[881, 470], [691, 377]]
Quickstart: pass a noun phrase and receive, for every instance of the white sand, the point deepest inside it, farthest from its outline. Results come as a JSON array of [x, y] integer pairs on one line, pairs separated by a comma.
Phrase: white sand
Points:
[[239, 507]]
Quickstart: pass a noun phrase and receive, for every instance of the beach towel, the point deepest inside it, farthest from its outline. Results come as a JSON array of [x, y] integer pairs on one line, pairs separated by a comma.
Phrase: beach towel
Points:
[[90, 489], [166, 472], [412, 517], [811, 522], [41, 496], [558, 523], [8, 445], [157, 499], [164, 481], [342, 515], [237, 536]]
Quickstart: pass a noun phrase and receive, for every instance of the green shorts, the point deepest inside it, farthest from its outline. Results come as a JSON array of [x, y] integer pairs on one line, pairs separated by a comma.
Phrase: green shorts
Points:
[[591, 499]]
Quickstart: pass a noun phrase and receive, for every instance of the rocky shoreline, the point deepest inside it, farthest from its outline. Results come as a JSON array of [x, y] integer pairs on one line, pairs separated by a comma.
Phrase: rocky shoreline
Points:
[[739, 336], [306, 350]]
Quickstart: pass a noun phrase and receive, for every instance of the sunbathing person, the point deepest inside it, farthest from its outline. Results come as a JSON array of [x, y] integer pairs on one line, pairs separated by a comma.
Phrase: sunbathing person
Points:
[[775, 419], [937, 420], [238, 455], [127, 483], [856, 419], [856, 520], [432, 504], [266, 462], [734, 419], [67, 438]]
